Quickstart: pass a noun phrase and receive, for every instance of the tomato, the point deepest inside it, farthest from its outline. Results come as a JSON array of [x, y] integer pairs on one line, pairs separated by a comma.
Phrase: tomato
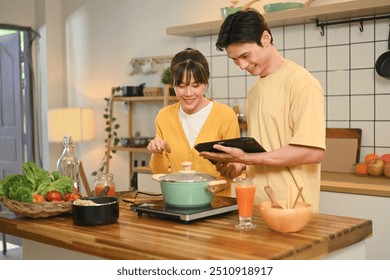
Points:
[[37, 198], [68, 197], [54, 196]]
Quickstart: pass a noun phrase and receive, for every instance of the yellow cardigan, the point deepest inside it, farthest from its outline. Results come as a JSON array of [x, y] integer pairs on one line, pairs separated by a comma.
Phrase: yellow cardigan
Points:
[[222, 123]]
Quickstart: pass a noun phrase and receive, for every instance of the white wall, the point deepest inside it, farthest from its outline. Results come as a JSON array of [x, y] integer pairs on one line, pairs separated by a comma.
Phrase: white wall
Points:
[[20, 12]]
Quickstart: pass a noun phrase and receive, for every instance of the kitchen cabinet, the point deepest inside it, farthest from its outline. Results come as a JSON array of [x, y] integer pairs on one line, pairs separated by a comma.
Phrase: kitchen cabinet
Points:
[[330, 12], [363, 196], [164, 99]]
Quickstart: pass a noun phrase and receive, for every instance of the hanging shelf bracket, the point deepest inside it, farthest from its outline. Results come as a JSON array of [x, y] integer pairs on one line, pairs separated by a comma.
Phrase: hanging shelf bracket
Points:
[[359, 20]]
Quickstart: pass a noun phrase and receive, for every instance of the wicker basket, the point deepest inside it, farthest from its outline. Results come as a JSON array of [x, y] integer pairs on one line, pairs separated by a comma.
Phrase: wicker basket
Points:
[[153, 91], [37, 210]]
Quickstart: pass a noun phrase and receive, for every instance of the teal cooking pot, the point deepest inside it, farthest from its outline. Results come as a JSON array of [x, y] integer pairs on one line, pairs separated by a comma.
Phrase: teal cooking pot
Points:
[[188, 188]]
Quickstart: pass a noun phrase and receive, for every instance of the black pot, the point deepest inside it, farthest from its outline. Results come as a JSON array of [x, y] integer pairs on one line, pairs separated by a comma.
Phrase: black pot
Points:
[[106, 212], [382, 65], [136, 141], [133, 90]]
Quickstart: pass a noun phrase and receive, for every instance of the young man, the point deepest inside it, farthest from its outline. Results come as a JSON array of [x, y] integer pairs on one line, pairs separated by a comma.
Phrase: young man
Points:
[[285, 113]]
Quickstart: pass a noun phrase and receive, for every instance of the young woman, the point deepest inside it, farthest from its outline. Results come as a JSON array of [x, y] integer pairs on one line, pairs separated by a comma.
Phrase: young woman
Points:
[[193, 119]]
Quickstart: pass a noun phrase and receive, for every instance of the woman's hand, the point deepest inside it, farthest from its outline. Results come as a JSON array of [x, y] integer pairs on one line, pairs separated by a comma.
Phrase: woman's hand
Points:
[[157, 146]]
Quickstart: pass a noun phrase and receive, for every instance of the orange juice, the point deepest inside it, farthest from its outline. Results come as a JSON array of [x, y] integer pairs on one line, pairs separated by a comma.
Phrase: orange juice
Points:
[[245, 197]]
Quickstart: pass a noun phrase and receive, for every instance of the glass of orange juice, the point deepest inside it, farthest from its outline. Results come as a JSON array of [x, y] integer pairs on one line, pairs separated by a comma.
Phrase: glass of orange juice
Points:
[[245, 194]]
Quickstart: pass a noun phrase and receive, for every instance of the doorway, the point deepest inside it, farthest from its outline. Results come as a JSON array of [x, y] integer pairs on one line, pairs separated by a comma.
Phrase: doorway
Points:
[[16, 105]]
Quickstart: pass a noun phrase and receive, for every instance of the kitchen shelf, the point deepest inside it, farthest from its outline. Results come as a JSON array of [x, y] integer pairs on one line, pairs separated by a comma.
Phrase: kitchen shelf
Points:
[[144, 99], [165, 99], [330, 12]]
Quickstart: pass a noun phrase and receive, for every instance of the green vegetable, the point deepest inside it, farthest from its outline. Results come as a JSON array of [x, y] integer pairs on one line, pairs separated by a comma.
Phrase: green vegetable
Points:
[[55, 175], [22, 194], [1, 190], [11, 185], [36, 176], [34, 181], [63, 184]]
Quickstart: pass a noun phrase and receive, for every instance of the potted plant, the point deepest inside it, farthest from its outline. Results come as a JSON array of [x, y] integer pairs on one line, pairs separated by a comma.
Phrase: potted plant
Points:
[[166, 80]]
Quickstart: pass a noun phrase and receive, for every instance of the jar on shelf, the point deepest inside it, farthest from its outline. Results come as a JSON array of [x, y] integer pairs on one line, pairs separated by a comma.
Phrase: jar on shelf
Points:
[[103, 180]]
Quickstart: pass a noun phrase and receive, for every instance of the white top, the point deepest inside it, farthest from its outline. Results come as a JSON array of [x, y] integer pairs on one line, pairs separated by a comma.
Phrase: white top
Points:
[[192, 124]]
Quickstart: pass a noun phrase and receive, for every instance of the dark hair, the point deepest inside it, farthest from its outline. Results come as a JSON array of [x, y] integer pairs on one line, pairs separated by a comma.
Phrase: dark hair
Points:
[[242, 27], [189, 62]]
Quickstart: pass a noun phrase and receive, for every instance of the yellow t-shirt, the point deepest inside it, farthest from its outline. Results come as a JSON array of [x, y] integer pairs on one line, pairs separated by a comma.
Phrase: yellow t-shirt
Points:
[[221, 123], [284, 108]]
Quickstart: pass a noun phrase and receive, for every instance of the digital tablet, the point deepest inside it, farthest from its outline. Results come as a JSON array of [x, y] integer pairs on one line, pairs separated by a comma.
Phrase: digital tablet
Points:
[[247, 144]]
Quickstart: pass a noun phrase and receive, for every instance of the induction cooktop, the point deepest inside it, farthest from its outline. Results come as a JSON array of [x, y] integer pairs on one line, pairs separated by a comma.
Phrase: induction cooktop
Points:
[[219, 205]]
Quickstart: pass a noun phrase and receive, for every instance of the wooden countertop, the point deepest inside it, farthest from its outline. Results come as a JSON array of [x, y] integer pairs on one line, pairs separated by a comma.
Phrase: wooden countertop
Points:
[[134, 237], [351, 183]]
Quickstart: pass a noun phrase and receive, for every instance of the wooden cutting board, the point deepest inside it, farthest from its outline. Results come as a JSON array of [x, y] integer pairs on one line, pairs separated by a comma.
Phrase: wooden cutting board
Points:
[[340, 155]]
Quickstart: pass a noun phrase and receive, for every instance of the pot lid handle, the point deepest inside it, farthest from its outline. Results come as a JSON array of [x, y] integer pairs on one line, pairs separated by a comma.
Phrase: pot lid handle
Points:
[[187, 167], [157, 177]]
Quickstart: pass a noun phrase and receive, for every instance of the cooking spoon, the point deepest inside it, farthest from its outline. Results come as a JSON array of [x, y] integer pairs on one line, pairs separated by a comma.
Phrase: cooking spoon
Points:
[[165, 151], [298, 195], [104, 191], [270, 192]]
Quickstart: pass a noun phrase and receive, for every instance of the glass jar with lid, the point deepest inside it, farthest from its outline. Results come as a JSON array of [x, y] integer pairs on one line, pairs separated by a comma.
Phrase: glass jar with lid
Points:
[[103, 180]]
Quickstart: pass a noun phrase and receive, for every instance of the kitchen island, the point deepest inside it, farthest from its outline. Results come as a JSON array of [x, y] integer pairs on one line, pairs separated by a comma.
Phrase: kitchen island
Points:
[[134, 237]]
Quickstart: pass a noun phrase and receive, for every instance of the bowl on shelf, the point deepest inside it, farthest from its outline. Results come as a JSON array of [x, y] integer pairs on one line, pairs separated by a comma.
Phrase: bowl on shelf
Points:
[[153, 91], [286, 220], [281, 6], [225, 11]]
